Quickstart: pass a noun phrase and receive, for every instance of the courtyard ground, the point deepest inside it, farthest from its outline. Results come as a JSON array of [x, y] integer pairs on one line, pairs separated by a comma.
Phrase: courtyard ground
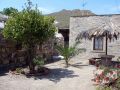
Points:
[[76, 77]]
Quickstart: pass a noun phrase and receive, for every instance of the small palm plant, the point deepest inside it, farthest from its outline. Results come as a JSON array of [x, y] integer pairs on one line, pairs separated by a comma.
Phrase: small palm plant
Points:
[[68, 52]]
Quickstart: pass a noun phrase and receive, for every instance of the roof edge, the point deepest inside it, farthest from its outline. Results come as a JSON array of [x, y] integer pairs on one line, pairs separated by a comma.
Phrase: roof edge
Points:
[[96, 15]]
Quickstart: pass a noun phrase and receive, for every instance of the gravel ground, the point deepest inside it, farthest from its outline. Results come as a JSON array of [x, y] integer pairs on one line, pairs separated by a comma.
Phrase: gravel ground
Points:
[[76, 77]]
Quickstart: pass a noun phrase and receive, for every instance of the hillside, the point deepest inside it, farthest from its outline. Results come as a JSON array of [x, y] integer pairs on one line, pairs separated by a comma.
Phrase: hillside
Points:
[[63, 16]]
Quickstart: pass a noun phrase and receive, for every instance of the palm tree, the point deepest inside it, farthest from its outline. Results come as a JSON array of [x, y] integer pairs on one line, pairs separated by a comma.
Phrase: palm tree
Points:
[[68, 52]]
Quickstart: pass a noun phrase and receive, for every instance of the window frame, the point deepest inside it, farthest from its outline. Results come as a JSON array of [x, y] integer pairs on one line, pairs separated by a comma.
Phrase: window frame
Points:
[[94, 47]]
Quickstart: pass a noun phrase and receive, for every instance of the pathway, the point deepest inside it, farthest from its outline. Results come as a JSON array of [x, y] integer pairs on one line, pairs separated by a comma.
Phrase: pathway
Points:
[[60, 78]]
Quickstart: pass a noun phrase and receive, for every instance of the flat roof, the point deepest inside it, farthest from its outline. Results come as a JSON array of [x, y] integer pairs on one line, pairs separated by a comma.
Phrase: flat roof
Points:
[[96, 15]]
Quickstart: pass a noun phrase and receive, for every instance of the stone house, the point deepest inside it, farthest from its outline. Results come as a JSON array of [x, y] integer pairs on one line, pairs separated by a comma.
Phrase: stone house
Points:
[[63, 18], [94, 47]]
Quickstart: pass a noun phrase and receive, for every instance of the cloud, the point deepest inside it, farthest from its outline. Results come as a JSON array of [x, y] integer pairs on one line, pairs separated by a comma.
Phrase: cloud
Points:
[[45, 10]]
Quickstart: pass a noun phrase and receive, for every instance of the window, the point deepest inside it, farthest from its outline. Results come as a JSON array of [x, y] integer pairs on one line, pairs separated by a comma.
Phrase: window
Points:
[[98, 43]]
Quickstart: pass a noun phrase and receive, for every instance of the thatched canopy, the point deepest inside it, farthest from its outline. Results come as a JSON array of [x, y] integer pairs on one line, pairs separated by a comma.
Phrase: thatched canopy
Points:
[[109, 26]]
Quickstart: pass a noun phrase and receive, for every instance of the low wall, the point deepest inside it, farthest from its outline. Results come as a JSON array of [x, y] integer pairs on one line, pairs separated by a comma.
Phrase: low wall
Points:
[[10, 56]]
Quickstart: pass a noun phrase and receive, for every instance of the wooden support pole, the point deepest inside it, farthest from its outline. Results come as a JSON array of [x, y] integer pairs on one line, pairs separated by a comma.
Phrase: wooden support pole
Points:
[[106, 49]]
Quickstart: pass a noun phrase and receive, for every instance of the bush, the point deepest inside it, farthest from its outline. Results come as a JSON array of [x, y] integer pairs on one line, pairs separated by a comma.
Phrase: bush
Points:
[[107, 79], [105, 76], [39, 61], [103, 88], [19, 70], [117, 84]]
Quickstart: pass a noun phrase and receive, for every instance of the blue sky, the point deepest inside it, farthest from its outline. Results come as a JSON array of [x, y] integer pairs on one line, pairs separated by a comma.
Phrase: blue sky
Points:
[[49, 6]]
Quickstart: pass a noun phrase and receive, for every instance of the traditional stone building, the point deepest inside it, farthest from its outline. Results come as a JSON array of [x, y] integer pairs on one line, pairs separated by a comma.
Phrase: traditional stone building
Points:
[[63, 18], [94, 47]]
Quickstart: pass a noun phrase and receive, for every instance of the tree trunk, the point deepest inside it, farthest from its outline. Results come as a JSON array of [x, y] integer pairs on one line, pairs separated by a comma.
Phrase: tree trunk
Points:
[[67, 64], [31, 55]]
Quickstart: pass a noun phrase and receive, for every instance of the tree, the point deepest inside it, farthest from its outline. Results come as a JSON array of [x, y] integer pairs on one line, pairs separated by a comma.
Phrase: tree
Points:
[[9, 11], [69, 52], [30, 28], [66, 52]]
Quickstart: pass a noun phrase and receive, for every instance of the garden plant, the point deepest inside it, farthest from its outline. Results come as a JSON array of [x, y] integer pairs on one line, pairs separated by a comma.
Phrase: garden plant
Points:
[[30, 28]]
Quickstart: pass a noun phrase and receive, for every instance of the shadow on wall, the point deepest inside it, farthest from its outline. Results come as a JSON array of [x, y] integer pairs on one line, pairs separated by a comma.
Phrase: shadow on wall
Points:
[[57, 74]]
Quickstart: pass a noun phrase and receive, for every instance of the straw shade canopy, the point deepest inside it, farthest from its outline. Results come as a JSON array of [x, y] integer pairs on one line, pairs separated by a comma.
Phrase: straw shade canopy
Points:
[[109, 28]]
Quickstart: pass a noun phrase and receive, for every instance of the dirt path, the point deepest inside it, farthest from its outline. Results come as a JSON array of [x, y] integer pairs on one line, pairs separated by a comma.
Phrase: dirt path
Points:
[[60, 78]]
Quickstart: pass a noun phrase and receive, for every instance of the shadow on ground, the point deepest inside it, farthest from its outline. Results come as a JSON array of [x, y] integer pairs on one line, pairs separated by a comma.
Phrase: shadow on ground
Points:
[[57, 74], [3, 73], [78, 65]]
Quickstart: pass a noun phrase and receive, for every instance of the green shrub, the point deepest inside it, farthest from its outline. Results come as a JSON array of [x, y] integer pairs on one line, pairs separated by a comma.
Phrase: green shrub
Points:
[[19, 70], [39, 61], [103, 88], [117, 84]]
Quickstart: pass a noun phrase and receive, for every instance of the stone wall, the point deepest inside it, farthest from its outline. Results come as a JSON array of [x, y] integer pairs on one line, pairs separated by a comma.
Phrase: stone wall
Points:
[[12, 55], [78, 24], [47, 49], [9, 56]]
